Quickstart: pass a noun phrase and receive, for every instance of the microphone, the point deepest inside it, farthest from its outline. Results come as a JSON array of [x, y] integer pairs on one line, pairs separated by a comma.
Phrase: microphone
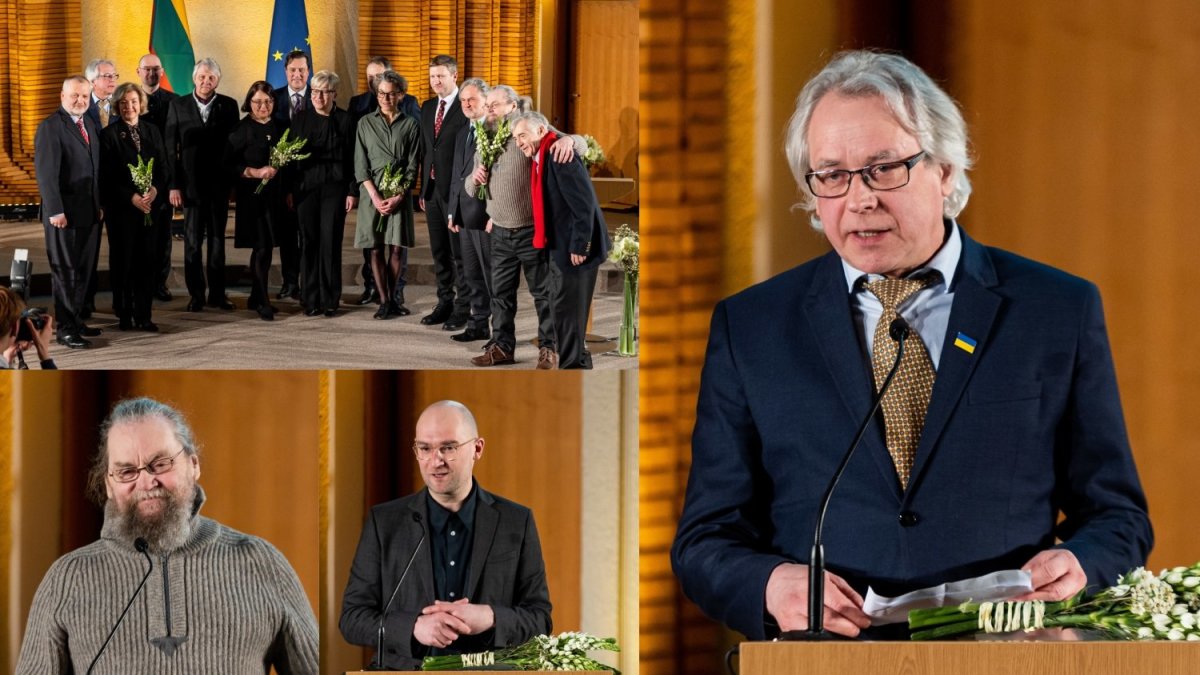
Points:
[[382, 617], [141, 546], [898, 331]]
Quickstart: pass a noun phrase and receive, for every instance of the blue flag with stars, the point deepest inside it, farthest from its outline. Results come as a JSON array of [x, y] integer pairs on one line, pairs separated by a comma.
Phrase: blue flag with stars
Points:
[[289, 30]]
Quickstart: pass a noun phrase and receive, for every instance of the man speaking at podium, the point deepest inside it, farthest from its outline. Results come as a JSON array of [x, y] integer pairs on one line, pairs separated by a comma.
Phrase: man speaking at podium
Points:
[[451, 569], [210, 599], [1001, 443]]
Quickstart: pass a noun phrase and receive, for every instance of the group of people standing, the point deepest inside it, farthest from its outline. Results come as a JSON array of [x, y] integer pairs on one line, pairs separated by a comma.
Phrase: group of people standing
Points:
[[488, 220]]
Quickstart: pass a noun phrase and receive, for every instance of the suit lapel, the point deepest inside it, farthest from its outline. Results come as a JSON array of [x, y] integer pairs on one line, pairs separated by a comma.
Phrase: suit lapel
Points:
[[422, 589], [487, 519], [73, 130], [832, 325], [973, 313]]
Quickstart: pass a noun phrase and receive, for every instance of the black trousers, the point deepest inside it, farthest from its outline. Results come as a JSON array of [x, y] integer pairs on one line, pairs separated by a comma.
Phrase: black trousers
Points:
[[287, 238], [204, 224], [72, 252], [512, 252], [447, 256], [573, 288], [322, 214], [477, 272], [133, 263], [162, 246], [260, 270]]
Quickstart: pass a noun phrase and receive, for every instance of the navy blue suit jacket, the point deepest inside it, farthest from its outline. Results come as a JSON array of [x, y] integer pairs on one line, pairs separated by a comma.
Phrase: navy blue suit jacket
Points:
[[1026, 427]]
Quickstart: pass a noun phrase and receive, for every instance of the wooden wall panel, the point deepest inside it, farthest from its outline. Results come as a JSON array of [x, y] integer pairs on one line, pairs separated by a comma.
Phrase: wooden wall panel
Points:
[[604, 99], [1084, 128]]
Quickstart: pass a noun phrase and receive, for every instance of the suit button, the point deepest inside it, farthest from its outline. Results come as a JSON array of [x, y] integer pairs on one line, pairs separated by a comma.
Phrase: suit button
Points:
[[908, 518]]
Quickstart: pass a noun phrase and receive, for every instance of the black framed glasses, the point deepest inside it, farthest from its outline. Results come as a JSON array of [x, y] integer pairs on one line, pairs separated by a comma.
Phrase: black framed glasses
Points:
[[128, 474], [449, 450], [882, 176]]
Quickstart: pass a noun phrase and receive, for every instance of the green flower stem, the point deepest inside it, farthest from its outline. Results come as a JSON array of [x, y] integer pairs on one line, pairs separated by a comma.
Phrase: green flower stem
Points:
[[949, 630]]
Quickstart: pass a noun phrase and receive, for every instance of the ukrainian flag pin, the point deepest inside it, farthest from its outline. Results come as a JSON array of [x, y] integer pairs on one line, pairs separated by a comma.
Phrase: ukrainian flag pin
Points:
[[965, 343]]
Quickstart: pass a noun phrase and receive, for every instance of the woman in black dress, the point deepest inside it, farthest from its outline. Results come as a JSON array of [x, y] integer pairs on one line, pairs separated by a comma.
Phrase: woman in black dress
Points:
[[325, 191], [248, 159], [132, 216]]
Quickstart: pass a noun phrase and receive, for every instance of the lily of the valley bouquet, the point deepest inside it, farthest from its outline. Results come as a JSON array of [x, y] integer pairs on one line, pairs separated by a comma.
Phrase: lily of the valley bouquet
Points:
[[490, 146], [143, 179], [594, 154], [565, 651], [285, 152], [626, 251], [392, 183], [1142, 606]]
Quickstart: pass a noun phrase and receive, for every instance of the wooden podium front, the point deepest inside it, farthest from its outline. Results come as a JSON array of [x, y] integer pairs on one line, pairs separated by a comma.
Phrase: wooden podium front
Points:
[[957, 658]]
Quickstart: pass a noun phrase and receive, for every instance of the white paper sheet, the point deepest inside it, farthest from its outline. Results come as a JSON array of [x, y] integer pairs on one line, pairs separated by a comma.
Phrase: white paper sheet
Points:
[[988, 588]]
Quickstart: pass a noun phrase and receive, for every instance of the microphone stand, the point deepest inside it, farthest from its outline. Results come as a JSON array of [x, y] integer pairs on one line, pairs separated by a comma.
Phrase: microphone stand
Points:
[[899, 331], [141, 546], [383, 616]]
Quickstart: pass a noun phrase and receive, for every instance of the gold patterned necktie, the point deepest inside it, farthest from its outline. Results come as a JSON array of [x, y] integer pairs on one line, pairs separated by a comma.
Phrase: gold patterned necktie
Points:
[[908, 397]]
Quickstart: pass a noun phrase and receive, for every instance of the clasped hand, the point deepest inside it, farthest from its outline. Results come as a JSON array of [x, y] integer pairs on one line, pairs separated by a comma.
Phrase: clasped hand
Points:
[[442, 623]]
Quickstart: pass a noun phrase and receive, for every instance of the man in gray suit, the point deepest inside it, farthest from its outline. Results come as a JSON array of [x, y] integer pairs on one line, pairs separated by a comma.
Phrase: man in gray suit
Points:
[[451, 569], [468, 214]]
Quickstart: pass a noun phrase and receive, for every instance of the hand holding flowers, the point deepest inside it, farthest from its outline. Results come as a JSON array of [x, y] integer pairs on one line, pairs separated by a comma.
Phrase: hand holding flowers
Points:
[[285, 152], [143, 180]]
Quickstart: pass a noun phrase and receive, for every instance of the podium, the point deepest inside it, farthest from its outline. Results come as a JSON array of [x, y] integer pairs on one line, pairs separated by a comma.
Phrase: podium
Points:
[[957, 658]]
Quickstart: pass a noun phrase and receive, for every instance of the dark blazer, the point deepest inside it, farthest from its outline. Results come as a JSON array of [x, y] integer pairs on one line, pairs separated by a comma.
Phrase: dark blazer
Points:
[[116, 183], [156, 109], [468, 211], [331, 143], [68, 169], [283, 103], [93, 112], [506, 571], [195, 149], [439, 152], [1026, 426], [574, 224], [366, 103]]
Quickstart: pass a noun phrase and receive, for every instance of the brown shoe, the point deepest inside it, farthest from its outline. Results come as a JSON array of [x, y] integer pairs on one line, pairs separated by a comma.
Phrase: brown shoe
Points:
[[494, 355], [547, 359]]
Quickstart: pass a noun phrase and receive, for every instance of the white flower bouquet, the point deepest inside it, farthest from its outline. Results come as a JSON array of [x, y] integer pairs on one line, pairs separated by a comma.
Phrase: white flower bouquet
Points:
[[565, 651], [285, 152], [392, 183], [594, 154], [491, 146], [143, 179]]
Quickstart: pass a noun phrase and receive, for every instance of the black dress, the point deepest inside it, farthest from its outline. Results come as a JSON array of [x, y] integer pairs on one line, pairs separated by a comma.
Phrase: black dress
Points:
[[256, 215]]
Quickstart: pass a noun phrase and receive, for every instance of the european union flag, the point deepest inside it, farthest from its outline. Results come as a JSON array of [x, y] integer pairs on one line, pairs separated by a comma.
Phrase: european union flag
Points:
[[289, 30]]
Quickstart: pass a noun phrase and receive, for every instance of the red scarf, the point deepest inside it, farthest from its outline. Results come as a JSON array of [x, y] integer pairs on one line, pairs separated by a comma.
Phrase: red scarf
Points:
[[535, 180]]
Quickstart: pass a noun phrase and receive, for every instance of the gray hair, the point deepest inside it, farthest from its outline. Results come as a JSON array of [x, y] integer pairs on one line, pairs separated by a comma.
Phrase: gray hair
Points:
[[395, 78], [135, 410], [76, 78], [93, 68], [921, 107], [532, 117], [476, 82], [510, 94], [210, 63], [326, 78]]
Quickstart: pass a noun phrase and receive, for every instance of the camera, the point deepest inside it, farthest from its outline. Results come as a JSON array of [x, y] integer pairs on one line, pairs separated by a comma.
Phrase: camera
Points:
[[36, 316]]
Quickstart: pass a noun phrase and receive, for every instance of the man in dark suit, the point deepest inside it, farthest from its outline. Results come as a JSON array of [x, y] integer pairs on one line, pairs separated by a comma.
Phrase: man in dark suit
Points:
[[360, 106], [66, 159], [150, 73], [477, 580], [198, 126], [1008, 447], [468, 217], [566, 220], [102, 75], [295, 97], [441, 121]]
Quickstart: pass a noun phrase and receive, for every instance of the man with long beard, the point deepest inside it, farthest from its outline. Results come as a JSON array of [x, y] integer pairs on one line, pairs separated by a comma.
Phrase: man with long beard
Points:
[[214, 600]]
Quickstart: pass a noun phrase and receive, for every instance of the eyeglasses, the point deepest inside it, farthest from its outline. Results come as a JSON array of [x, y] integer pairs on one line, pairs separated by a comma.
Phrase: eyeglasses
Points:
[[128, 474], [150, 69], [108, 76], [449, 450], [883, 176], [388, 94], [323, 92]]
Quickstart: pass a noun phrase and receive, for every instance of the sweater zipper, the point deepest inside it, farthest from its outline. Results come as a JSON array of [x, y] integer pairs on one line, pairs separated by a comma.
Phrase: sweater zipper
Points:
[[167, 592]]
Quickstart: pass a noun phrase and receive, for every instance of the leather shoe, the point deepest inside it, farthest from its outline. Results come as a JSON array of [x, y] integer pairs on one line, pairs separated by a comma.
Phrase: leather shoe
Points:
[[312, 312], [547, 359], [195, 305], [472, 334], [438, 315], [88, 331], [147, 326], [221, 303], [163, 293], [289, 290], [73, 342], [385, 311], [494, 355], [400, 309], [330, 313], [368, 297], [266, 312], [125, 323], [456, 322]]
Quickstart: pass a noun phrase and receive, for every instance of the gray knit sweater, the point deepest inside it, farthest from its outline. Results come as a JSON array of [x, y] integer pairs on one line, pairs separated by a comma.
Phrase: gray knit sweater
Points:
[[511, 205], [225, 602]]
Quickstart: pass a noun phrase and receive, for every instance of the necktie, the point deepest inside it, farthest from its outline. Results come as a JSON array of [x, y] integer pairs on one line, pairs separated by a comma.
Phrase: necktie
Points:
[[437, 121], [105, 112], [297, 103], [137, 138], [83, 131], [908, 397]]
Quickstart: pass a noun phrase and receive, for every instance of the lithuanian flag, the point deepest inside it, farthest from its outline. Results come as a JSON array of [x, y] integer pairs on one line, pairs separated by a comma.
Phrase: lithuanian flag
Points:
[[170, 40]]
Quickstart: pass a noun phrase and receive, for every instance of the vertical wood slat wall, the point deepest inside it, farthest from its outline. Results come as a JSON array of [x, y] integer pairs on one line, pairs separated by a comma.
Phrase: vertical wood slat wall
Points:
[[39, 43], [491, 39], [682, 141]]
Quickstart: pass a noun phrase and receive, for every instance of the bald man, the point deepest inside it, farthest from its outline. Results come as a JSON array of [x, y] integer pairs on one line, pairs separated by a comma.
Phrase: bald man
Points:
[[477, 580]]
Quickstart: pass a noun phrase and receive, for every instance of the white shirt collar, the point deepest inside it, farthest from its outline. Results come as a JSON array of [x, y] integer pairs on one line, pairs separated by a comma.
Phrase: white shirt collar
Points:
[[449, 98], [293, 92], [944, 261]]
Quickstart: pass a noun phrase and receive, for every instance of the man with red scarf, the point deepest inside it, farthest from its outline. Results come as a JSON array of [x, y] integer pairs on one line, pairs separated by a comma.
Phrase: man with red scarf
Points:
[[568, 222]]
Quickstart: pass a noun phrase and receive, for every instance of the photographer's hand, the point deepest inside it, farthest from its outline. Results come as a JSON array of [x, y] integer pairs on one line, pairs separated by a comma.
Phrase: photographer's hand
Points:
[[42, 338]]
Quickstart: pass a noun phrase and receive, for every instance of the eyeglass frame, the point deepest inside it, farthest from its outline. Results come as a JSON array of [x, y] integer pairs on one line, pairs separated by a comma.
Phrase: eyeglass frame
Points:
[[146, 467], [863, 173], [449, 456]]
